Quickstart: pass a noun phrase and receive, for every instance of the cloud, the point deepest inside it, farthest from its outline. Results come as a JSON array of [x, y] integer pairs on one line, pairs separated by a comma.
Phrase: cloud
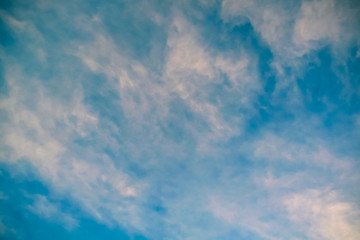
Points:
[[158, 119], [21, 27], [43, 131], [45, 209], [129, 77], [193, 69], [273, 22], [323, 215], [189, 73], [264, 201], [275, 148], [324, 21], [240, 216], [316, 21], [294, 29], [186, 55], [30, 132]]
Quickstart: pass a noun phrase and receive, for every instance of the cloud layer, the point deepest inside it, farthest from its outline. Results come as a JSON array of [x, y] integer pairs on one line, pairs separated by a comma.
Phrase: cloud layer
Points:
[[190, 120]]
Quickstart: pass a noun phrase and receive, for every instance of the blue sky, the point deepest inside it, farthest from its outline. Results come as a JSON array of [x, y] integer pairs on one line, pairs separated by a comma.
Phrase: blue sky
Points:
[[157, 119]]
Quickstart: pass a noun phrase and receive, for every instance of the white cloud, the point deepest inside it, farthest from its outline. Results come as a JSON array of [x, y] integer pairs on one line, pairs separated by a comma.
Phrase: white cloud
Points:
[[21, 26], [280, 201], [192, 68], [189, 71], [319, 21], [323, 215], [238, 74], [273, 183], [274, 148], [24, 30], [45, 209], [140, 93], [186, 56], [30, 133], [41, 130], [272, 21], [293, 29], [241, 212]]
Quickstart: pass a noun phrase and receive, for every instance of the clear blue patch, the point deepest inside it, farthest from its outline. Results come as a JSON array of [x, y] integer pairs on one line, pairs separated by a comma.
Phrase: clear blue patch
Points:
[[6, 37], [320, 84]]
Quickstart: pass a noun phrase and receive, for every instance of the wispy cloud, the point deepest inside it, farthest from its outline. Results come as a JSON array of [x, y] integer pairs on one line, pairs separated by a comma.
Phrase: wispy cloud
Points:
[[322, 215], [191, 120], [44, 135], [48, 210]]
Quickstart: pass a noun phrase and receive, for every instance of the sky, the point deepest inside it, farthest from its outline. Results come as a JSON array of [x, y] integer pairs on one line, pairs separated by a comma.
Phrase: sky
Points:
[[180, 120]]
